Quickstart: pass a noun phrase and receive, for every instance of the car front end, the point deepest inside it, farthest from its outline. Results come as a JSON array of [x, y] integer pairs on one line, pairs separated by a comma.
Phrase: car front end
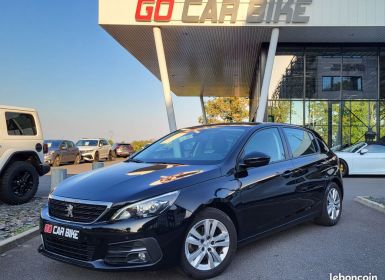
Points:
[[87, 153], [111, 238]]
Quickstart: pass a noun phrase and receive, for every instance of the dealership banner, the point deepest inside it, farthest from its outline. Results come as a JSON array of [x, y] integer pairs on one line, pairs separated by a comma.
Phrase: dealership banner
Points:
[[243, 12]]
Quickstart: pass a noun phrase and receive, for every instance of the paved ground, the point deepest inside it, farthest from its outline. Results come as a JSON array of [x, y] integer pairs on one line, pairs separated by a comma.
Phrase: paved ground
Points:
[[355, 246]]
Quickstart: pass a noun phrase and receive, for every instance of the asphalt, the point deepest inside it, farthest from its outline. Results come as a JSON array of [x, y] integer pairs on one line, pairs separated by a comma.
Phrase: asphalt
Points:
[[356, 246]]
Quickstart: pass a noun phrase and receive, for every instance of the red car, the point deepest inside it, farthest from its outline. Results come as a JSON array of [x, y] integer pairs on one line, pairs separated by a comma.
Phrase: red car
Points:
[[122, 150]]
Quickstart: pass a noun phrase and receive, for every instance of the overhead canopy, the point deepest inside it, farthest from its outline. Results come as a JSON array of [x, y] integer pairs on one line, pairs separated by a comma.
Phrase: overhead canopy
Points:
[[212, 47]]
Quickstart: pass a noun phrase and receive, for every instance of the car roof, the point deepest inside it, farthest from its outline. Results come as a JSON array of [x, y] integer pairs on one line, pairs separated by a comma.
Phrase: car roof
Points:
[[6, 107], [246, 124]]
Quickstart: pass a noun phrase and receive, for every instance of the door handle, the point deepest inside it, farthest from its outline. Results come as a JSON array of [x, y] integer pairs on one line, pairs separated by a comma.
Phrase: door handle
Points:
[[287, 173]]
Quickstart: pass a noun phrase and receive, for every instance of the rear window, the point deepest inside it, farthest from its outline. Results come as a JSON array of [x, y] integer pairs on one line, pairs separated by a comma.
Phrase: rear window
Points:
[[20, 124], [300, 141]]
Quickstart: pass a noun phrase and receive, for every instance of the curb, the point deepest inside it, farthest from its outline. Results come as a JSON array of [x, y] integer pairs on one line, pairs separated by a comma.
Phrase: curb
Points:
[[16, 240], [374, 205]]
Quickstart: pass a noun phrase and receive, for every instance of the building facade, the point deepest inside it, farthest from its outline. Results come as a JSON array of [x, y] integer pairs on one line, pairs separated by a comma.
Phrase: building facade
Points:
[[333, 78], [336, 89]]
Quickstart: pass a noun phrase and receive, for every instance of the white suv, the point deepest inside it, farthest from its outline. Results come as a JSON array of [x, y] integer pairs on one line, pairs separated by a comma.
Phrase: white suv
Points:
[[21, 154], [94, 149]]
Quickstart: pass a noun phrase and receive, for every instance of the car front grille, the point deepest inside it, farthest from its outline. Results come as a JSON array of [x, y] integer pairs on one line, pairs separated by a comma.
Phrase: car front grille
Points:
[[75, 212], [68, 248]]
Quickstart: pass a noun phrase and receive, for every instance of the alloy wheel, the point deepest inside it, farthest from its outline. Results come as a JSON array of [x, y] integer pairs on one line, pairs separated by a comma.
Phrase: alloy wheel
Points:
[[207, 244], [333, 204], [22, 183]]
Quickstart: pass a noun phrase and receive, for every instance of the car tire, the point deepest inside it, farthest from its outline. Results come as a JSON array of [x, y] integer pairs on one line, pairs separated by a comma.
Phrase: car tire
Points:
[[56, 161], [19, 183], [197, 239], [96, 157], [77, 159], [344, 168], [331, 206]]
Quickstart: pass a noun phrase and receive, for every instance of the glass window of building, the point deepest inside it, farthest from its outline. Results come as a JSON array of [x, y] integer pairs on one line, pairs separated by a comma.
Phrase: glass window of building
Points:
[[360, 73], [343, 91], [323, 73]]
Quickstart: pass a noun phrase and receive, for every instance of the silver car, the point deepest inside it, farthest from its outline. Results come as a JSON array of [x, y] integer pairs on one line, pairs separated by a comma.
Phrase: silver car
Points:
[[95, 149]]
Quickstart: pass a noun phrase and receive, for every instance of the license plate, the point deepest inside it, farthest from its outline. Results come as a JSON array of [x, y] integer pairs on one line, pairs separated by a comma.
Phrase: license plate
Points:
[[61, 231]]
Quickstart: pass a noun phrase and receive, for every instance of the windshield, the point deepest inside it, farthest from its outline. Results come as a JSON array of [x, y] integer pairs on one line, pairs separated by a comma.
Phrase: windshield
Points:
[[87, 143], [209, 145], [354, 148], [52, 144]]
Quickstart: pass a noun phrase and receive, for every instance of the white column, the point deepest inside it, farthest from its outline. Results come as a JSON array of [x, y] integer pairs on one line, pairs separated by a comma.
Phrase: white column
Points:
[[267, 76], [165, 79], [204, 116], [256, 93]]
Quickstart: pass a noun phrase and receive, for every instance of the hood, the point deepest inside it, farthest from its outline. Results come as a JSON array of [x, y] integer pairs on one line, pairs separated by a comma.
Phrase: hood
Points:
[[87, 148], [130, 182]]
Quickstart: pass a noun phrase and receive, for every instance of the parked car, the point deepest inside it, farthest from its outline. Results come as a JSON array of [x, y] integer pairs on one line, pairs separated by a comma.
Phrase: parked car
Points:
[[122, 149], [21, 154], [362, 159], [94, 149], [192, 197], [61, 151]]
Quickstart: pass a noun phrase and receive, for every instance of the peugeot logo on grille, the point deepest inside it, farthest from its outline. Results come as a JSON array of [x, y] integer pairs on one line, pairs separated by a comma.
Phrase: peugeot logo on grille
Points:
[[69, 210]]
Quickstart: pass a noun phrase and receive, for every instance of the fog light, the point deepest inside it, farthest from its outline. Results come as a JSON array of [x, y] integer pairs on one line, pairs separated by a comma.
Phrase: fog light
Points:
[[142, 256]]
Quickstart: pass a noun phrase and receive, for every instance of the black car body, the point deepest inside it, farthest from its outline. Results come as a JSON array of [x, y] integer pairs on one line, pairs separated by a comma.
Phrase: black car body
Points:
[[258, 192]]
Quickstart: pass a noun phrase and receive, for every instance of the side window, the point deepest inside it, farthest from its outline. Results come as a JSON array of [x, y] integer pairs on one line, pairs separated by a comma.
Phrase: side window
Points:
[[300, 142], [20, 124], [376, 149], [63, 145], [267, 141]]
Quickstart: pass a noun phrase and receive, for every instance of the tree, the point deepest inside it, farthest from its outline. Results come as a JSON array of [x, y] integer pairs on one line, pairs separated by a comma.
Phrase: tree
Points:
[[226, 110], [140, 144]]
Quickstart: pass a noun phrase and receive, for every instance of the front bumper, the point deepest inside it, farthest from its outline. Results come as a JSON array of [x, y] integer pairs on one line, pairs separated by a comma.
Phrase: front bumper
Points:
[[88, 156], [44, 169], [116, 246]]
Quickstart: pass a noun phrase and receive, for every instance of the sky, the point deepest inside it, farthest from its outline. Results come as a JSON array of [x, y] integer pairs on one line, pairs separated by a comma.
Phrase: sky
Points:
[[56, 58]]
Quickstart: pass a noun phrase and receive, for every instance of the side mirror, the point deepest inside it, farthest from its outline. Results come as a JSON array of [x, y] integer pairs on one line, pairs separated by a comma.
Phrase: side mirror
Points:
[[100, 144], [63, 148], [364, 151], [255, 159]]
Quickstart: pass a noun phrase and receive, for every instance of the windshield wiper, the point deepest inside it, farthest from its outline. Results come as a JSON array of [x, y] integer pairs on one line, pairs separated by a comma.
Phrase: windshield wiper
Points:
[[160, 162], [134, 160]]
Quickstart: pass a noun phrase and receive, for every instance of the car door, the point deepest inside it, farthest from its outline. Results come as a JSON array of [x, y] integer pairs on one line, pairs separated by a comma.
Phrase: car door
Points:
[[371, 160], [310, 172], [63, 152], [72, 151], [266, 193], [101, 149], [106, 148]]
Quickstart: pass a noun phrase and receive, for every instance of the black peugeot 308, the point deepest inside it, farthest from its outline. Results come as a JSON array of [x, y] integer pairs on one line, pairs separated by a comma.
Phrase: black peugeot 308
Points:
[[193, 197]]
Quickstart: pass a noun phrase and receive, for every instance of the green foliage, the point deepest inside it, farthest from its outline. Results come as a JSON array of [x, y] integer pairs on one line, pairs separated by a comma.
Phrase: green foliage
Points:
[[111, 142], [226, 110], [139, 144]]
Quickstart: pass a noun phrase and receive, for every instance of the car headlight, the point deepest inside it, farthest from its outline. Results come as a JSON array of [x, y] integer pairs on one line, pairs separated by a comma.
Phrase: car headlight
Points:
[[146, 208]]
